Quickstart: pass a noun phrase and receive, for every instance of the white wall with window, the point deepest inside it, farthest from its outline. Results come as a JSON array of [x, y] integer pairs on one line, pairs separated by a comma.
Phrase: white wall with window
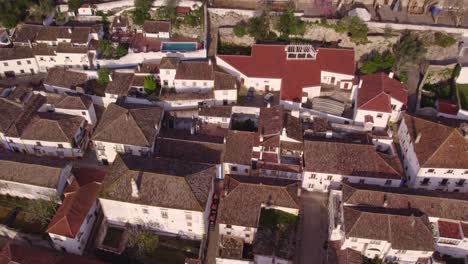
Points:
[[193, 86], [22, 66], [167, 77], [231, 168], [189, 224], [313, 181], [444, 179], [380, 119], [106, 152], [225, 96]]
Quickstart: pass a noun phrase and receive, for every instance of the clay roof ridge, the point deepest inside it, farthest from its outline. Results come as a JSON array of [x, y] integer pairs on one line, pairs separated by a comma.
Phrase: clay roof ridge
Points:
[[438, 148]]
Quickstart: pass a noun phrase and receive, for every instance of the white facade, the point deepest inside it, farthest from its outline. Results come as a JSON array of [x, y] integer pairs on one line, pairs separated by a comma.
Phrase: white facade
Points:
[[193, 86], [238, 169], [313, 181], [246, 233], [77, 244], [445, 179], [225, 96], [107, 151], [381, 119], [189, 224], [19, 66]]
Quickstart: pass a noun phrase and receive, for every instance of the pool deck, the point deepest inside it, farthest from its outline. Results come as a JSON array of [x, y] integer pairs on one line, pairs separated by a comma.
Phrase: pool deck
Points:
[[142, 44]]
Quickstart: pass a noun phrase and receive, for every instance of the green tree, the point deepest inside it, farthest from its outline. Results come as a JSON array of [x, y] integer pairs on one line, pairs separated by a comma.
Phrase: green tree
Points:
[[149, 84], [105, 47], [289, 24], [140, 15], [121, 51], [409, 49], [357, 30], [259, 26], [240, 29], [142, 241], [195, 18], [378, 63], [41, 9], [74, 5], [39, 211], [103, 76], [12, 12]]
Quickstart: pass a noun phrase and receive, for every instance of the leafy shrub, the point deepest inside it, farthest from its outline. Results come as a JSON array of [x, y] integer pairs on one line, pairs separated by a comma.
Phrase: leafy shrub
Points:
[[356, 29], [443, 40], [409, 49], [240, 29], [378, 63], [103, 76], [289, 24]]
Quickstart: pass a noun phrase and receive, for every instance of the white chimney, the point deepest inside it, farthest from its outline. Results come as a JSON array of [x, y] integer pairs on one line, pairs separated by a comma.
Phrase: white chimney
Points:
[[70, 30], [360, 83], [418, 138], [295, 113], [118, 19], [135, 192], [209, 62], [110, 77], [390, 75]]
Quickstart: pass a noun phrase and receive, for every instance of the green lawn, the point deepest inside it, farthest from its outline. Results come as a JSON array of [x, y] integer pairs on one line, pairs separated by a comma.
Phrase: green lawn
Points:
[[463, 94]]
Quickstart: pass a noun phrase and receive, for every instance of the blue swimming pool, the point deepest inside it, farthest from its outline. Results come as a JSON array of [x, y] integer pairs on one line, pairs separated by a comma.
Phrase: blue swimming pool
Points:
[[179, 46]]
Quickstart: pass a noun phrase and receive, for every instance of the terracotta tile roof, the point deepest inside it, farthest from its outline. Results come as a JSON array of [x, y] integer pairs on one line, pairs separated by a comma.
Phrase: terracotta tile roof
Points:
[[129, 124], [156, 26], [26, 32], [31, 170], [16, 117], [439, 146], [270, 120], [160, 182], [224, 81], [80, 196], [348, 159], [215, 111], [239, 146], [16, 53], [447, 107], [21, 254], [438, 204], [183, 10], [269, 61], [149, 67], [189, 150], [42, 49], [53, 127], [293, 127], [243, 202], [376, 91], [120, 83], [64, 78], [65, 101], [404, 231], [194, 70], [169, 63], [449, 229]]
